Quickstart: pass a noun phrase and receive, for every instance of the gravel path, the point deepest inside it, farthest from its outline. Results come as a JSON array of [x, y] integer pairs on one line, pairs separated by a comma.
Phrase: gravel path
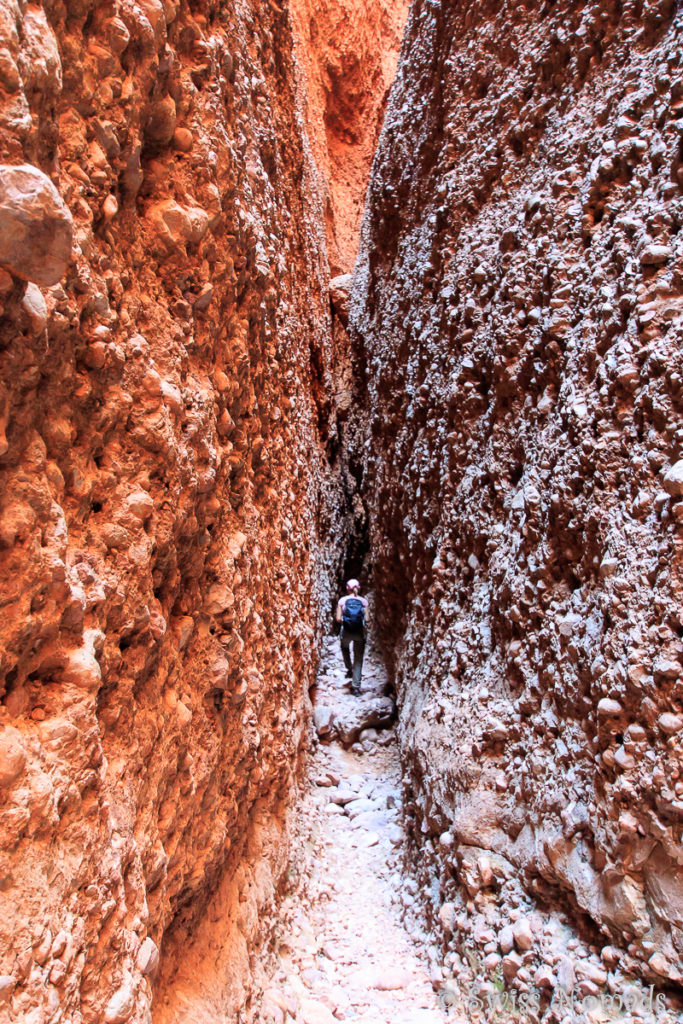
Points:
[[344, 953]]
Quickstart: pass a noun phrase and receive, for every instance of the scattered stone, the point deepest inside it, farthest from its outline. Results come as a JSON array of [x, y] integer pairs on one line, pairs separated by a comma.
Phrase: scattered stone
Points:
[[161, 125], [363, 713], [592, 972], [323, 718], [343, 796], [566, 975], [506, 938], [312, 1012], [512, 962], [523, 935], [544, 977], [182, 140]]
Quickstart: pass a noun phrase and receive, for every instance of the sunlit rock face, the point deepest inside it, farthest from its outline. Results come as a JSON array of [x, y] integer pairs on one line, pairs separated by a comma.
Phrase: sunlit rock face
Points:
[[346, 55], [517, 310], [167, 410]]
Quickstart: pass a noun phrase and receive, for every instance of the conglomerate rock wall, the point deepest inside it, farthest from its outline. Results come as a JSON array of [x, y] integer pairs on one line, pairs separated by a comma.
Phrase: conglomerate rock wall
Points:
[[518, 313], [166, 367]]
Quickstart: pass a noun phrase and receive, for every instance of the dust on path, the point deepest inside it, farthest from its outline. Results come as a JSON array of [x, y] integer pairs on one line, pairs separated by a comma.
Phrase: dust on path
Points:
[[344, 953]]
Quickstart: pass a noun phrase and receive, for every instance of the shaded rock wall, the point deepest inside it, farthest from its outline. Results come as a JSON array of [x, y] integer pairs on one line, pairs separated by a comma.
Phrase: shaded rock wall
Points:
[[347, 52], [165, 494], [518, 310]]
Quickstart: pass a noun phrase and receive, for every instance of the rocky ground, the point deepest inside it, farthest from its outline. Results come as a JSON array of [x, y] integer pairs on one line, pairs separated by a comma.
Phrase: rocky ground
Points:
[[343, 951]]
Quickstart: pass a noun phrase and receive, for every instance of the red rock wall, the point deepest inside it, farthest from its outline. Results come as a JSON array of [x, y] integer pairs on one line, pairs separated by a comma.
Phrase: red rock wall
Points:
[[347, 52], [517, 308], [165, 494]]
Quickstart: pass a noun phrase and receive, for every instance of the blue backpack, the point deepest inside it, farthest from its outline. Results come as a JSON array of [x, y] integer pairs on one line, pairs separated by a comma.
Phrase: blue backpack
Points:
[[353, 615]]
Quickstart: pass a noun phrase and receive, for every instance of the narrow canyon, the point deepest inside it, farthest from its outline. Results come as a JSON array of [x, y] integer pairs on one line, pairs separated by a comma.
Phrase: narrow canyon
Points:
[[292, 291]]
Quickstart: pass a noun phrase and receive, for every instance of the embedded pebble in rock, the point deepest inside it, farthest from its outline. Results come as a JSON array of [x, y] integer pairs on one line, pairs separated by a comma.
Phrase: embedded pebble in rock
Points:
[[670, 724], [35, 307], [673, 480], [36, 226]]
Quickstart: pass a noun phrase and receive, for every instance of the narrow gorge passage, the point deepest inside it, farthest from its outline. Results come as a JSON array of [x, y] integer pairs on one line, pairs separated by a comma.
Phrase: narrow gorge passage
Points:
[[343, 951], [207, 408]]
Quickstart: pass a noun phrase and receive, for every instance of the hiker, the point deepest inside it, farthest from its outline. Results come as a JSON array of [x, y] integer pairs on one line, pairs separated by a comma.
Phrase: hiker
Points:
[[351, 613]]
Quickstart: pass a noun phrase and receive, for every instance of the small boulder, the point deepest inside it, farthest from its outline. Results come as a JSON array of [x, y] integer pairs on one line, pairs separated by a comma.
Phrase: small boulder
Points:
[[140, 504], [312, 1012], [340, 295], [375, 712], [182, 140], [523, 935], [447, 915], [496, 730], [566, 975], [512, 962], [36, 227], [592, 972], [544, 977], [322, 720]]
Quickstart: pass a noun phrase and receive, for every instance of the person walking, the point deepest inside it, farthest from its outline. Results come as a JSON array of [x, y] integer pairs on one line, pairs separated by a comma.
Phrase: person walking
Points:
[[350, 613]]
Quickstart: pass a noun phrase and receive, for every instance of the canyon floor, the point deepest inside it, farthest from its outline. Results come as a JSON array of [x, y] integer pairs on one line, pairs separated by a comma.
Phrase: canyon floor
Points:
[[344, 951]]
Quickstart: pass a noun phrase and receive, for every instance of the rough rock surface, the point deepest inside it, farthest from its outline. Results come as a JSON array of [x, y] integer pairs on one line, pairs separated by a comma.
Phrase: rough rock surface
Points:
[[517, 311], [165, 413], [347, 53]]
